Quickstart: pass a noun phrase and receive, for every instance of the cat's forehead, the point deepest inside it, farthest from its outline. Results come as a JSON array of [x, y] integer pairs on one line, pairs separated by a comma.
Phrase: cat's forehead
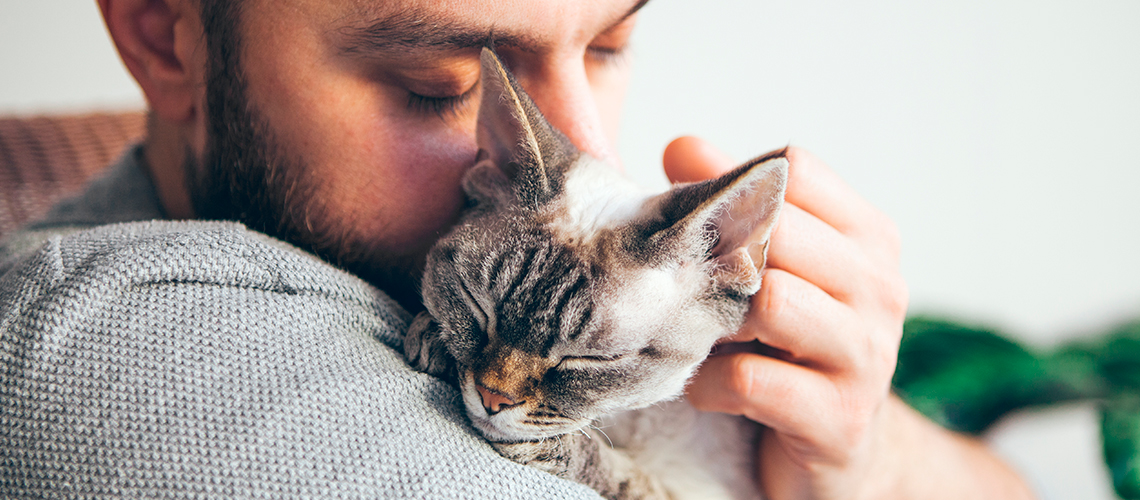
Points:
[[595, 201]]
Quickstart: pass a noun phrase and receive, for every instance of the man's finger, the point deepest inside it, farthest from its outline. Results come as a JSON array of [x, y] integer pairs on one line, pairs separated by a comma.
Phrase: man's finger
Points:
[[809, 248], [817, 189], [796, 317], [691, 159], [787, 397]]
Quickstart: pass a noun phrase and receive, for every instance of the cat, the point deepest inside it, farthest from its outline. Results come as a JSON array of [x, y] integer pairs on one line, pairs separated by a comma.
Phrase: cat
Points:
[[570, 308]]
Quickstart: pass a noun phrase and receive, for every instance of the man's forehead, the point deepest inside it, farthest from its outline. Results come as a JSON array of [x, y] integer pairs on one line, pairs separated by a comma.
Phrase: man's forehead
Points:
[[528, 25]]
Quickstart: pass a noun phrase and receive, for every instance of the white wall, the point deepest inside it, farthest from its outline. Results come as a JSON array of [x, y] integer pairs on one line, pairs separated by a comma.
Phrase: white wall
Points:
[[55, 56], [1003, 137]]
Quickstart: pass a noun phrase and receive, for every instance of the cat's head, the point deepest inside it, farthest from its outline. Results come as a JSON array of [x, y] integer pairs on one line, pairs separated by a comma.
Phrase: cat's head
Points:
[[565, 293]]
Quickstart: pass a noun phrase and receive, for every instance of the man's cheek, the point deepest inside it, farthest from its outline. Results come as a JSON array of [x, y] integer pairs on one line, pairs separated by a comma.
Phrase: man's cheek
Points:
[[405, 185], [433, 158]]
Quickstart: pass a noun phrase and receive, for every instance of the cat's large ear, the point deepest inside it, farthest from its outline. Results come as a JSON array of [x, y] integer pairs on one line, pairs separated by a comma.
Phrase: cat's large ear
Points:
[[519, 147], [728, 219]]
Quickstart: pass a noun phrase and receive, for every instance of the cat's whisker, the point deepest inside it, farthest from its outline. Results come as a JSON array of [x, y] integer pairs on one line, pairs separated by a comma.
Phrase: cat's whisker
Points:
[[607, 436]]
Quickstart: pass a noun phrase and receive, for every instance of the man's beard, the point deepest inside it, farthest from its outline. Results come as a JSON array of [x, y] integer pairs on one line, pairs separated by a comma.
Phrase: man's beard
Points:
[[246, 175]]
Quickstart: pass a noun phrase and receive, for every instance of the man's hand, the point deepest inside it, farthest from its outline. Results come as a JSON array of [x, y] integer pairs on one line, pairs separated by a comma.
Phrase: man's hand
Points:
[[828, 319]]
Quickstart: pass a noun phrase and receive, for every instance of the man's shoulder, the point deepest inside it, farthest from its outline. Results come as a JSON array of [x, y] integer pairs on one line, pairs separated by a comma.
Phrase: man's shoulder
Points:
[[206, 357], [105, 262]]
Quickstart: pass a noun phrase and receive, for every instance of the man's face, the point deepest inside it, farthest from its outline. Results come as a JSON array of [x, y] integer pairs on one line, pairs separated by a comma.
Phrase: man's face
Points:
[[353, 121]]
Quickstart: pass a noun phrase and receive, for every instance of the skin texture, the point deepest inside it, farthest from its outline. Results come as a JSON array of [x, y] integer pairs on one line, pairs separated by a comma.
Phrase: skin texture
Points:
[[384, 175]]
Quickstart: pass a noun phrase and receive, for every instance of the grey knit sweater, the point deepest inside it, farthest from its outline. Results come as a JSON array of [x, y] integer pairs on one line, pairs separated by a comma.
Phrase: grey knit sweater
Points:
[[202, 359]]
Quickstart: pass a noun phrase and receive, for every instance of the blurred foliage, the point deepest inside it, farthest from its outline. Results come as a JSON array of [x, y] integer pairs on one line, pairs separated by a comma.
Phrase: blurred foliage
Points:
[[967, 377]]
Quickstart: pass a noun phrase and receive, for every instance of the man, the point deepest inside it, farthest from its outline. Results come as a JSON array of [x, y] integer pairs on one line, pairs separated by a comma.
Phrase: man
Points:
[[201, 358]]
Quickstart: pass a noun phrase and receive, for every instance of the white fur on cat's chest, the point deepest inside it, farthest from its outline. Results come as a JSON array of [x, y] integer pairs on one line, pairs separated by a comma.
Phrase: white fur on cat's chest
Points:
[[696, 455]]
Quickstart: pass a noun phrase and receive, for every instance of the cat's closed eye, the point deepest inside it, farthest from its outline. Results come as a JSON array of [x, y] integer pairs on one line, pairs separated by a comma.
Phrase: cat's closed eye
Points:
[[588, 362]]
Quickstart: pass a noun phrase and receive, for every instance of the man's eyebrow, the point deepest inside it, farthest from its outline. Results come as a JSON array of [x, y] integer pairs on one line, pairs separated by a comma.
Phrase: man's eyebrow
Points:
[[632, 11], [412, 30]]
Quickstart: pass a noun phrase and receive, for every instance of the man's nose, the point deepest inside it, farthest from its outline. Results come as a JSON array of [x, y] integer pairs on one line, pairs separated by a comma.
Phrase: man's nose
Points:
[[562, 91]]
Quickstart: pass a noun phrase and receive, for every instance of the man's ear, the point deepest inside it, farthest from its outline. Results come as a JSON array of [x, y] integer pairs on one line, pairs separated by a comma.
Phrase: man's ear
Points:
[[161, 42]]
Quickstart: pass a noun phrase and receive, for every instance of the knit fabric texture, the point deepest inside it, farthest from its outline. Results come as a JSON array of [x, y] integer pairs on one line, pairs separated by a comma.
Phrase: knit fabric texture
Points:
[[168, 359]]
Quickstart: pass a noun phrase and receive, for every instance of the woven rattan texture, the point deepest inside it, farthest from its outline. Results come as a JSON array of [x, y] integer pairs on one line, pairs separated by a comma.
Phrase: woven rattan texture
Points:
[[45, 158]]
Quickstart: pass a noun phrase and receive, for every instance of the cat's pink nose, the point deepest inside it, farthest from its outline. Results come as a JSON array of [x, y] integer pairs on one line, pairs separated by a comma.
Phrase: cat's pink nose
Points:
[[495, 401]]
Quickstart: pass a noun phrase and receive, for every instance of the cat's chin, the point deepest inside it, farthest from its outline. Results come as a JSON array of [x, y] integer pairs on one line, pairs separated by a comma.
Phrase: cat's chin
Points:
[[494, 433]]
